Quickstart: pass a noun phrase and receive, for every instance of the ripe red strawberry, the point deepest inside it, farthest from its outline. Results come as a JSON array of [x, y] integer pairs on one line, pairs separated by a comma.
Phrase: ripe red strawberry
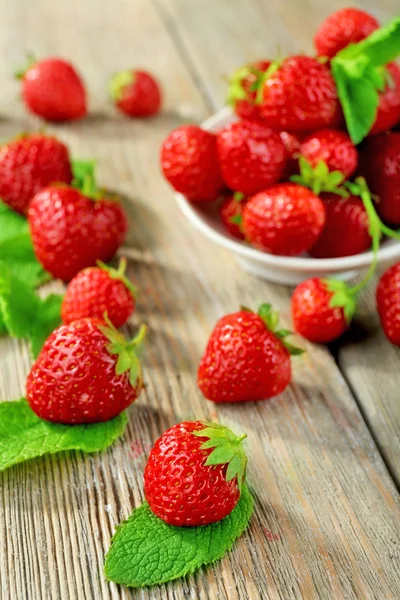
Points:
[[190, 164], [292, 143], [341, 28], [53, 90], [86, 372], [99, 290], [71, 231], [334, 147], [389, 101], [243, 86], [300, 95], [284, 219], [231, 213], [247, 358], [136, 93], [194, 473], [380, 165], [29, 163], [322, 309], [346, 230], [251, 155], [388, 303]]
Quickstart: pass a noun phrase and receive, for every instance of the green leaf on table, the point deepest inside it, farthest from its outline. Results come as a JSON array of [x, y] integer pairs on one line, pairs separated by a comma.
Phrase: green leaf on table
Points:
[[147, 551], [24, 436]]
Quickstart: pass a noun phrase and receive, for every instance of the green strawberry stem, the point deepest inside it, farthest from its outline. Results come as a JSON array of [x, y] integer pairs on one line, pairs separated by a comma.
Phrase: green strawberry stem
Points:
[[319, 179], [270, 317], [119, 274], [30, 61], [274, 66], [119, 82]]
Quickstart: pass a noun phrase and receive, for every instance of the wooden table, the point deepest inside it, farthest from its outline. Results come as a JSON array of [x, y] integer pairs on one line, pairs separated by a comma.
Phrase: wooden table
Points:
[[324, 456]]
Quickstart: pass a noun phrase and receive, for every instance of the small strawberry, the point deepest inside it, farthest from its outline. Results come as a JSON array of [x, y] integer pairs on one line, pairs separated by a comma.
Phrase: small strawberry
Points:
[[231, 213], [341, 28], [247, 358], [242, 91], [190, 164], [334, 147], [388, 303], [299, 95], [53, 90], [251, 155], [99, 290], [71, 230], [284, 219], [194, 473], [86, 372], [322, 309], [136, 93], [29, 163], [346, 230], [292, 143], [380, 165], [388, 113]]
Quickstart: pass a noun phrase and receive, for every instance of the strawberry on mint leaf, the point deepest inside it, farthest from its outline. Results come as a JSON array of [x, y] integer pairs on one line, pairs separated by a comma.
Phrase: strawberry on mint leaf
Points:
[[194, 473]]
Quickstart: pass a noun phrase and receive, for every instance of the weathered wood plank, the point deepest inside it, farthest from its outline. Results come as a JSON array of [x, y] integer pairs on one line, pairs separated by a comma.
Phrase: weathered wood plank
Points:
[[327, 513]]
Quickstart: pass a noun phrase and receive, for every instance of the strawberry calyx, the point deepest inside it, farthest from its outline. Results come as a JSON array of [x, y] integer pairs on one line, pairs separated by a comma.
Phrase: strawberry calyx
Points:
[[342, 297], [84, 178], [30, 61], [319, 179], [119, 274], [270, 318], [128, 351], [119, 82], [227, 449], [274, 66]]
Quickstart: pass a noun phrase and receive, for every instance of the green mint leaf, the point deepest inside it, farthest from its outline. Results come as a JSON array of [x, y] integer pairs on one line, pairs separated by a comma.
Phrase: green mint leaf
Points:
[[11, 223], [379, 48], [24, 436], [47, 318], [147, 551]]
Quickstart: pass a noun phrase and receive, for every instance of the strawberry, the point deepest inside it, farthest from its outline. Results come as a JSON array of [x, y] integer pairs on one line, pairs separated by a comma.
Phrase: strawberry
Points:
[[322, 309], [136, 93], [388, 113], [299, 95], [190, 164], [346, 230], [292, 143], [71, 231], [341, 28], [334, 147], [284, 219], [99, 290], [29, 163], [86, 372], [388, 303], [380, 165], [53, 90], [242, 91], [231, 213], [194, 473], [247, 358], [251, 155]]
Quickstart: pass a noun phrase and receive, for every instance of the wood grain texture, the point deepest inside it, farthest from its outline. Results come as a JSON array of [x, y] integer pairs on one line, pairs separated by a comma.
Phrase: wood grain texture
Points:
[[327, 512]]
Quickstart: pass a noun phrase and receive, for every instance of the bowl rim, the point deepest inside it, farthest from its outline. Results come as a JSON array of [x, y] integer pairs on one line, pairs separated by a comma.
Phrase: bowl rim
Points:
[[386, 252]]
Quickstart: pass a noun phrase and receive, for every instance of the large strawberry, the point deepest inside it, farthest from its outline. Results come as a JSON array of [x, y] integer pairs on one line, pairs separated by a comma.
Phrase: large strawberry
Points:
[[251, 155], [53, 90], [341, 28], [334, 147], [388, 303], [284, 219], [29, 163], [322, 309], [190, 164], [380, 165], [247, 358], [346, 230], [86, 372], [71, 231], [136, 93], [242, 90], [388, 113], [299, 95], [100, 290], [194, 473], [231, 213]]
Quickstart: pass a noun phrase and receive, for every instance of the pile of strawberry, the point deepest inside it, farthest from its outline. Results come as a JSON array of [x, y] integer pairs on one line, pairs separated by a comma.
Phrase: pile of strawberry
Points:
[[312, 162]]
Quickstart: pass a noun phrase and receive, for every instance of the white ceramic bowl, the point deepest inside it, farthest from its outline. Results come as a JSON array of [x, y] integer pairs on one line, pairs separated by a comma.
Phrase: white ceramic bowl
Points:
[[289, 270]]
